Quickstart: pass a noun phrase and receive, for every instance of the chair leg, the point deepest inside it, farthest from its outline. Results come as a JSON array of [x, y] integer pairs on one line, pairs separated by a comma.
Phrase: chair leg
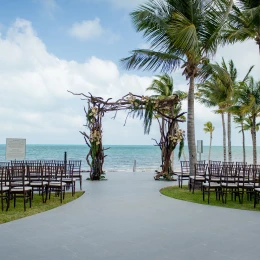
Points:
[[24, 201], [14, 200], [8, 201], [30, 199], [2, 201], [80, 180], [255, 193]]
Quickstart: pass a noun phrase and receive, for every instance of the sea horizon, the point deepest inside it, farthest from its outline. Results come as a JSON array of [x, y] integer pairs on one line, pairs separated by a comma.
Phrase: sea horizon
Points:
[[121, 158]]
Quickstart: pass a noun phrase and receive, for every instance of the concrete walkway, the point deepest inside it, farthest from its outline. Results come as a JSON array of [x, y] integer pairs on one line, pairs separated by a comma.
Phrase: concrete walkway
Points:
[[126, 218]]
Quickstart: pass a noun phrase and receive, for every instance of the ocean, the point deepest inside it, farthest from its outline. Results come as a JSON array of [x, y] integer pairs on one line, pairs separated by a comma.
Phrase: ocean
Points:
[[122, 157]]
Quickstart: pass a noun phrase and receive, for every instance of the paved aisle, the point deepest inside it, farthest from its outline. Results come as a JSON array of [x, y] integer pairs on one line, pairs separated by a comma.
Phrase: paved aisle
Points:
[[126, 218]]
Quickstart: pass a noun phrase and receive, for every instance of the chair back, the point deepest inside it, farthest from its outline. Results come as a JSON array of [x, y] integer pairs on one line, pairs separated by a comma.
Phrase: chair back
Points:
[[76, 167], [214, 162], [228, 172], [4, 177], [214, 171], [50, 171], [200, 169], [185, 167], [256, 175]]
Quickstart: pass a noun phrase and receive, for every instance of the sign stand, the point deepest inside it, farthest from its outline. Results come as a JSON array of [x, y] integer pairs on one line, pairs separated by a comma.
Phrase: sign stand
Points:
[[199, 148]]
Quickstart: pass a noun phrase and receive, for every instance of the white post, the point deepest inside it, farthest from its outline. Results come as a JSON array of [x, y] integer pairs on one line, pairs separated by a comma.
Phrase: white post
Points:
[[134, 168]]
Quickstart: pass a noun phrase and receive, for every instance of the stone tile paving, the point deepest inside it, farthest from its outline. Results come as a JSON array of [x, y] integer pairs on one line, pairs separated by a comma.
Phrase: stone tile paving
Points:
[[127, 218]]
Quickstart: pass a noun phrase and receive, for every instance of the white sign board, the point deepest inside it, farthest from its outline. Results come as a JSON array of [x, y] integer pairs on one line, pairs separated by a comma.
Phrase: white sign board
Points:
[[15, 149]]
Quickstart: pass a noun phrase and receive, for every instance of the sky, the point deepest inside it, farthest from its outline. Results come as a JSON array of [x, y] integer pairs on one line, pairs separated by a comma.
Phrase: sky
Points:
[[50, 46]]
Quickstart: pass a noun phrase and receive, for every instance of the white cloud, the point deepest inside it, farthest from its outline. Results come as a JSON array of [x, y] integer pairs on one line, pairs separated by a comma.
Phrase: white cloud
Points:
[[244, 56], [34, 101], [87, 29], [128, 4], [35, 104], [91, 29], [49, 7]]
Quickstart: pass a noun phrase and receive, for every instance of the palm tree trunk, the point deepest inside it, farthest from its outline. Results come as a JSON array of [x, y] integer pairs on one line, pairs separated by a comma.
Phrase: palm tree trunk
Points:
[[163, 145], [229, 138], [224, 137], [190, 127], [210, 146], [254, 140], [243, 142]]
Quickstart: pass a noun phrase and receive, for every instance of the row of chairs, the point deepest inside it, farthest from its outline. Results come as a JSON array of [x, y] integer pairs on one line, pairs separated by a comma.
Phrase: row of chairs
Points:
[[223, 178], [76, 165], [21, 179]]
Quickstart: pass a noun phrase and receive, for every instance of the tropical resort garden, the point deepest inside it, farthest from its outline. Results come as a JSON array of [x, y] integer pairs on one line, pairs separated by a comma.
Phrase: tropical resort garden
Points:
[[182, 35], [119, 215], [186, 35]]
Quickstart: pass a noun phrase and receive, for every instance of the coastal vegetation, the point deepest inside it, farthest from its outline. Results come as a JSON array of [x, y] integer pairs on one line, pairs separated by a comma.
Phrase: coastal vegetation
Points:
[[186, 34], [182, 34]]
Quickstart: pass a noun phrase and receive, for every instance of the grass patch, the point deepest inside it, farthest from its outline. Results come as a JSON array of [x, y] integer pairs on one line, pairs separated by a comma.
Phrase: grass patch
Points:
[[184, 194], [37, 206]]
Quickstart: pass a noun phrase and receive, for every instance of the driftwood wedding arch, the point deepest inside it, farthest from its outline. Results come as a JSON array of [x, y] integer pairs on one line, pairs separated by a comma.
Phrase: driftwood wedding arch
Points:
[[144, 107]]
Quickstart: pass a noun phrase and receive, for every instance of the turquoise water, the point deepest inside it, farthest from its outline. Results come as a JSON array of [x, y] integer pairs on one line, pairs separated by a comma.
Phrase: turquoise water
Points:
[[121, 157]]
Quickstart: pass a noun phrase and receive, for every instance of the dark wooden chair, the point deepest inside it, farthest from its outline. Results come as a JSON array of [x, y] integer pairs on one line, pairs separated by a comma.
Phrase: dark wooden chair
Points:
[[4, 186], [19, 188], [212, 183], [68, 177], [37, 179], [229, 181], [77, 171], [199, 177], [55, 173], [185, 172], [256, 183]]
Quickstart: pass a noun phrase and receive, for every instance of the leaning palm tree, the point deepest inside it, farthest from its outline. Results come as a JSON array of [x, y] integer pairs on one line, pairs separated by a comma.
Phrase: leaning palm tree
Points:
[[248, 101], [243, 22], [182, 34], [209, 128], [240, 119]]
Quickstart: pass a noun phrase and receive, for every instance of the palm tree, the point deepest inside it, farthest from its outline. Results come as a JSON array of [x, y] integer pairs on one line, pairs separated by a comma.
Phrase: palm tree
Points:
[[244, 22], [221, 92], [182, 33], [209, 128], [248, 101], [249, 126], [240, 119], [163, 86], [230, 86], [212, 93]]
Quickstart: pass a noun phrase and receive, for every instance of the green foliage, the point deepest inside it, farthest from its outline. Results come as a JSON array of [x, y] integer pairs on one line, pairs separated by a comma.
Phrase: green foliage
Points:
[[208, 127], [243, 22], [181, 147]]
